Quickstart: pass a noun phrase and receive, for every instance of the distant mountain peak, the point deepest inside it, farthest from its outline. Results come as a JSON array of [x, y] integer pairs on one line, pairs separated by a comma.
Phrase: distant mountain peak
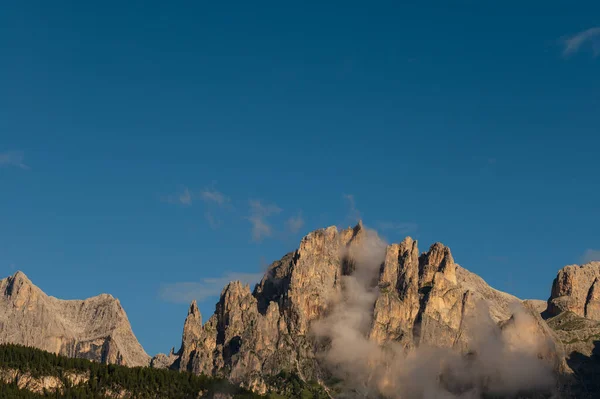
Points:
[[96, 328], [18, 280]]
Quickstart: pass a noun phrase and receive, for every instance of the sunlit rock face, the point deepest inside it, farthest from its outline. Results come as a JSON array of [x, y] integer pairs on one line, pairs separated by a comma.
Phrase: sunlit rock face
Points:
[[411, 300], [96, 328], [577, 289]]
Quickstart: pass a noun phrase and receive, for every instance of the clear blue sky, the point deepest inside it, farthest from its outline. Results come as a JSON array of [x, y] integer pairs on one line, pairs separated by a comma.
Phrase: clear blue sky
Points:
[[146, 144]]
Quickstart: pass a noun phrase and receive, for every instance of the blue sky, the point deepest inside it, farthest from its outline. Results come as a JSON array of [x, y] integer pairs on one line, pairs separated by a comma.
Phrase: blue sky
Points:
[[154, 150]]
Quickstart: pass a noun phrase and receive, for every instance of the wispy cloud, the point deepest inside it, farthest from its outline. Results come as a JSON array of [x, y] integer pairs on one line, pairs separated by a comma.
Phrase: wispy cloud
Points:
[[185, 292], [573, 43], [259, 213], [183, 198], [213, 222], [402, 227], [214, 196], [591, 255], [353, 212], [295, 223], [13, 158]]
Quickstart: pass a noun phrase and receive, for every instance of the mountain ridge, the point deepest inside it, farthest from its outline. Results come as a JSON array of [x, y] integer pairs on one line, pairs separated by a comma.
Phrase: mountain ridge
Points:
[[397, 308], [96, 328], [418, 300]]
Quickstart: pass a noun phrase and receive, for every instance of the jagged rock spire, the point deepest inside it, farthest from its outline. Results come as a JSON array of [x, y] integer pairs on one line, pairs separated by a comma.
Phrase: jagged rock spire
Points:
[[422, 299]]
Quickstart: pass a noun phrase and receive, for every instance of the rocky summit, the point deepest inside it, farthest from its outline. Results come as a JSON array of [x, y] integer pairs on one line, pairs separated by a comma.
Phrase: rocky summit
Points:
[[95, 328], [366, 319]]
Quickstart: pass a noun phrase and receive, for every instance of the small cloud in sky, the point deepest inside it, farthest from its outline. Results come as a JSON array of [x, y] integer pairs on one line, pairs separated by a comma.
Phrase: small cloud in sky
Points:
[[402, 227], [572, 44], [353, 212], [591, 255], [183, 198], [295, 223], [214, 201], [259, 214], [13, 158], [185, 292], [214, 196], [213, 222]]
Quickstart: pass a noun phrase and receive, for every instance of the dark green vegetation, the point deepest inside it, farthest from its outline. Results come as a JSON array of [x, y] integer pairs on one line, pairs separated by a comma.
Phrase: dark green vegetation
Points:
[[139, 382], [289, 385]]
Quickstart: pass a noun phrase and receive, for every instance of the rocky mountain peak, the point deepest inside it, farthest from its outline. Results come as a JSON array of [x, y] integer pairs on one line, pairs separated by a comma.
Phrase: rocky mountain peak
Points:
[[419, 299], [96, 328], [16, 282], [576, 289], [19, 290], [19, 276], [192, 332], [437, 259], [194, 312], [193, 323]]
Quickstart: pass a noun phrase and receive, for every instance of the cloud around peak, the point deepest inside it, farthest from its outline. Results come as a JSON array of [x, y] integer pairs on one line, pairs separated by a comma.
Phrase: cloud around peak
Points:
[[353, 212], [591, 255], [572, 44]]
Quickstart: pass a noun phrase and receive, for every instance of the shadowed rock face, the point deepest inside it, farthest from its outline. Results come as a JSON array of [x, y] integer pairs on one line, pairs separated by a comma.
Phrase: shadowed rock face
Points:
[[96, 328], [422, 300]]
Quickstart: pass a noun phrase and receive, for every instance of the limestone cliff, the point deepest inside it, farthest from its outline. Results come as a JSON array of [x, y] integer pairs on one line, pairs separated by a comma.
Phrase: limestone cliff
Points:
[[95, 328], [419, 300], [577, 289], [573, 313]]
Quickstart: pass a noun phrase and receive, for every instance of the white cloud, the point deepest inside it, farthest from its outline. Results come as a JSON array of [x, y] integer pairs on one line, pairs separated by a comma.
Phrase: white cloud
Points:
[[185, 292], [214, 196], [13, 158], [295, 223], [182, 198], [591, 255], [402, 228], [572, 44], [259, 213], [353, 213]]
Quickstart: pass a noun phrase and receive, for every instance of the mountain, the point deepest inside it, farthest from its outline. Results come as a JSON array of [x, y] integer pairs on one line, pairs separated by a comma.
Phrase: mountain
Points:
[[573, 312], [95, 328], [363, 318], [347, 315]]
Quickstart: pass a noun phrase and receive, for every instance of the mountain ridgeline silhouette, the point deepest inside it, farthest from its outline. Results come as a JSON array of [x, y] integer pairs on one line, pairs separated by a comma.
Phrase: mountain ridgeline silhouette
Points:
[[355, 316]]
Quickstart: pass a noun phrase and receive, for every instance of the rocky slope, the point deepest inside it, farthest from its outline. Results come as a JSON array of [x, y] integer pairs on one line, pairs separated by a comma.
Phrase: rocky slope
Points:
[[344, 306], [95, 328]]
